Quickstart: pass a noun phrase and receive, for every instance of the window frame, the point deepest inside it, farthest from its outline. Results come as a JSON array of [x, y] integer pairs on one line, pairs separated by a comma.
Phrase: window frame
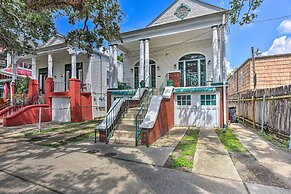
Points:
[[208, 99], [184, 100]]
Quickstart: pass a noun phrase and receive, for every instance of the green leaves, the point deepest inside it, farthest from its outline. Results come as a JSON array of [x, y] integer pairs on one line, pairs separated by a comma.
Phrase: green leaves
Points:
[[25, 23], [247, 7]]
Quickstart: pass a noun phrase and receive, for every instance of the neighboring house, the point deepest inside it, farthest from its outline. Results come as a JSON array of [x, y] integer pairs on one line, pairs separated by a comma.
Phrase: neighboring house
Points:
[[74, 84], [271, 72], [184, 45]]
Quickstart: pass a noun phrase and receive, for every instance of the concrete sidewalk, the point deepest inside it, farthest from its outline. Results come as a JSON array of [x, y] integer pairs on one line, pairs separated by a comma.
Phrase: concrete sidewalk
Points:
[[157, 154], [274, 159], [212, 159]]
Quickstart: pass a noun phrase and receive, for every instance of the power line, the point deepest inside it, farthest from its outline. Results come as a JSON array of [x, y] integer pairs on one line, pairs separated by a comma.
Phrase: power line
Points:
[[272, 19]]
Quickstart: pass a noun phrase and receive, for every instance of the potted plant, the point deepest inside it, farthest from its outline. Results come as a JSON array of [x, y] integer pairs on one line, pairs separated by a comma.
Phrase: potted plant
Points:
[[170, 83], [142, 84]]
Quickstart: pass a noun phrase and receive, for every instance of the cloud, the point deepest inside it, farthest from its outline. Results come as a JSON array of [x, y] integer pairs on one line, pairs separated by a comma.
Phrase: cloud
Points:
[[229, 69], [285, 27], [280, 46]]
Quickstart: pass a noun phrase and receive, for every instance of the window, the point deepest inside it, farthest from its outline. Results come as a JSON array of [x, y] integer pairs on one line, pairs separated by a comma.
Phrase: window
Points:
[[208, 100], [184, 100]]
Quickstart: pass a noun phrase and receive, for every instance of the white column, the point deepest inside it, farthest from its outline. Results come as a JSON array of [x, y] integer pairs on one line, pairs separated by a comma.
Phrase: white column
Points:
[[50, 66], [33, 68], [8, 59], [115, 67], [141, 61], [223, 51], [215, 68], [147, 62], [74, 65], [14, 68], [111, 66]]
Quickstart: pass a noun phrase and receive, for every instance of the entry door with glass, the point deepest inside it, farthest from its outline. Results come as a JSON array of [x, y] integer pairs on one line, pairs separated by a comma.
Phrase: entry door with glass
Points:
[[193, 70], [68, 74]]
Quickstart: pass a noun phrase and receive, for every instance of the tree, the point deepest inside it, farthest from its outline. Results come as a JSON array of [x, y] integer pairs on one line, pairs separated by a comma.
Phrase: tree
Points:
[[237, 7], [25, 23]]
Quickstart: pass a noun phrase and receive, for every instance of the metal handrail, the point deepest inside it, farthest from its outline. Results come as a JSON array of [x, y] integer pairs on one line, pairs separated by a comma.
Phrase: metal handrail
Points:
[[141, 115], [112, 118]]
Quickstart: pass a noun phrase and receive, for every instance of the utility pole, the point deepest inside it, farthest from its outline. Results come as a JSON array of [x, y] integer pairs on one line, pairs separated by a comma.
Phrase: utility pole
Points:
[[255, 86]]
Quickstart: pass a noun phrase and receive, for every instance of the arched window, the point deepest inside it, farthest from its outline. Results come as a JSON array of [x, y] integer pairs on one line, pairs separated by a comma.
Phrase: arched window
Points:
[[193, 70], [152, 74]]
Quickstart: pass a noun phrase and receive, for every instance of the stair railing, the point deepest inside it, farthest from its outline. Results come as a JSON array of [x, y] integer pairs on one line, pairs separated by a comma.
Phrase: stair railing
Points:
[[114, 116], [141, 115]]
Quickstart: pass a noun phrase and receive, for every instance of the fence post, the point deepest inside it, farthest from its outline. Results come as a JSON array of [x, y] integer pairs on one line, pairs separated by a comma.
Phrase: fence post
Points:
[[254, 110], [243, 109], [39, 119], [263, 113]]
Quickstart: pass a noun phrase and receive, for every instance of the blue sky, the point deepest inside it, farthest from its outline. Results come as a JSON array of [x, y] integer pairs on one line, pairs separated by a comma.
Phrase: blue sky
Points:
[[261, 35]]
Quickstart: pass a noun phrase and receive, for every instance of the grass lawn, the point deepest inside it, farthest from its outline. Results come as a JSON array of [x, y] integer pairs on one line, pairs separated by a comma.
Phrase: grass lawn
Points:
[[65, 134], [280, 143], [230, 141], [183, 156]]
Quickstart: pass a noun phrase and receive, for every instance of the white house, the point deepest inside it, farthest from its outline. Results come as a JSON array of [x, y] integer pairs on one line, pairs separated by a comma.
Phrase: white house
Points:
[[74, 83], [187, 40]]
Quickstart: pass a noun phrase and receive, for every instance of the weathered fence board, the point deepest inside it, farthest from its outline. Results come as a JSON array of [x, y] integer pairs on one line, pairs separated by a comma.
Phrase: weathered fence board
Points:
[[277, 111]]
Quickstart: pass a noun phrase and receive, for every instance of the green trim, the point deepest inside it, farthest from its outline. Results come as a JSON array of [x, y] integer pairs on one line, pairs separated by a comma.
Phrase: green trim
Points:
[[124, 92], [194, 90], [218, 84], [183, 15]]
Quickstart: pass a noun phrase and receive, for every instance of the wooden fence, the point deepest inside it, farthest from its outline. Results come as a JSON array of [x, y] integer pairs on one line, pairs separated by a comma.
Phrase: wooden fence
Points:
[[269, 108]]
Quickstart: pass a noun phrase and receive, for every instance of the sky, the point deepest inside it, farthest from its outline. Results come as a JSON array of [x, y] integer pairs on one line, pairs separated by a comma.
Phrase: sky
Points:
[[270, 36]]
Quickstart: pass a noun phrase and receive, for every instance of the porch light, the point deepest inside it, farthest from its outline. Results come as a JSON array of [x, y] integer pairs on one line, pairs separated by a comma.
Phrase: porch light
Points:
[[209, 62], [175, 66], [158, 68], [131, 70]]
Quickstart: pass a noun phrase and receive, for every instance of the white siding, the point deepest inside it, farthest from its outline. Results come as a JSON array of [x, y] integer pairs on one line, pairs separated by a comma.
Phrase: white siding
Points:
[[167, 57]]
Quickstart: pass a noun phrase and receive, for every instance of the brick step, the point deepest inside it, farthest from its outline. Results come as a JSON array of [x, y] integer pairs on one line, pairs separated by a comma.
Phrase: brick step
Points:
[[122, 140], [129, 116], [133, 110], [128, 121], [124, 134], [124, 127]]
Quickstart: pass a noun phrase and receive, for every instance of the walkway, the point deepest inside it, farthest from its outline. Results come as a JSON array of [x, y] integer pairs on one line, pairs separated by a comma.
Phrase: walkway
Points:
[[212, 159], [276, 160]]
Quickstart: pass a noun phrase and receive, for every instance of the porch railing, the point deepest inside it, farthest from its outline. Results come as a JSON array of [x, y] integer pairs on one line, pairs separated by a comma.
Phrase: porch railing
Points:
[[141, 115], [193, 79]]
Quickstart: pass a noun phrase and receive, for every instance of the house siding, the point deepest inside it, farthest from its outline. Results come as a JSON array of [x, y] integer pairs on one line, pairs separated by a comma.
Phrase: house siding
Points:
[[272, 71], [167, 57]]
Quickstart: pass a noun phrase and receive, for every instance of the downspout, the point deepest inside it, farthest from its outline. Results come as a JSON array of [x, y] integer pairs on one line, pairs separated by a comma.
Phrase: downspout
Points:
[[224, 74]]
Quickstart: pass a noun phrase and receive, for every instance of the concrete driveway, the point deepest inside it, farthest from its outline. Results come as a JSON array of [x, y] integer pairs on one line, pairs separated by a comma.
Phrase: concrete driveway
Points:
[[28, 168]]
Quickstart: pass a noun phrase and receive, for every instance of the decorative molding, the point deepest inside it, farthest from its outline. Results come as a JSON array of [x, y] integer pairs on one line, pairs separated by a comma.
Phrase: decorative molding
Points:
[[182, 11]]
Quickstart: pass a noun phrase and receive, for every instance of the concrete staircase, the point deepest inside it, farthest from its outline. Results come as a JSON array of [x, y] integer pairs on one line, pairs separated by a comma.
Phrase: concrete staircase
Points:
[[125, 132]]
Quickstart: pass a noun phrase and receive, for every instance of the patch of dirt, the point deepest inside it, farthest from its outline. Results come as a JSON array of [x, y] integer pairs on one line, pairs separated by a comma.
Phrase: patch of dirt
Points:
[[251, 171]]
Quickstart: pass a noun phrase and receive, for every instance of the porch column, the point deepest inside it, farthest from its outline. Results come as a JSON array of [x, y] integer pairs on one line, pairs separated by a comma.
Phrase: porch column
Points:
[[8, 59], [33, 64], [50, 66], [49, 82], [14, 77], [215, 72], [141, 61], [111, 66], [115, 67], [33, 88], [147, 62], [74, 65]]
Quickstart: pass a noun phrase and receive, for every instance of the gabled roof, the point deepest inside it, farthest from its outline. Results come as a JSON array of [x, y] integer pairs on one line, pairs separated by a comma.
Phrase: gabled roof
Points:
[[55, 40], [196, 8]]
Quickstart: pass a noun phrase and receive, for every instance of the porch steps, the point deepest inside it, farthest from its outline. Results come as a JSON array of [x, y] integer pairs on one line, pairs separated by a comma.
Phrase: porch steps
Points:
[[125, 132]]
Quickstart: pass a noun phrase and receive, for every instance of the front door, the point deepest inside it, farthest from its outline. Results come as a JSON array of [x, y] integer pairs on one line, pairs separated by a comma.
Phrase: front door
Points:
[[192, 73], [43, 74], [136, 77], [68, 74], [153, 81]]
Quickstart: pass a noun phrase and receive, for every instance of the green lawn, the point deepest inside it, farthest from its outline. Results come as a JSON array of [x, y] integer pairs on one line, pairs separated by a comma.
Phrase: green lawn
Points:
[[62, 135], [230, 141], [183, 155]]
